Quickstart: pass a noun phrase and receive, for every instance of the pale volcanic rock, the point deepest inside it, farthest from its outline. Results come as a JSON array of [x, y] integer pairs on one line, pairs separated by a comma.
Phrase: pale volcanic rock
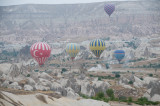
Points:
[[45, 76], [14, 85], [28, 88]]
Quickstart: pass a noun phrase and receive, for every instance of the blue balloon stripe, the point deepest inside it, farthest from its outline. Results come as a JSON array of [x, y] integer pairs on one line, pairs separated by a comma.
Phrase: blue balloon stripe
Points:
[[99, 43], [96, 52], [74, 47], [92, 43], [102, 43], [71, 46], [95, 43]]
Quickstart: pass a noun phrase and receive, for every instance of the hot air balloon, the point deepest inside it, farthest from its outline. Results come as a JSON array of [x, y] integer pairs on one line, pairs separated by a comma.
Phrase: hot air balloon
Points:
[[72, 49], [97, 47], [109, 8], [40, 51], [119, 55]]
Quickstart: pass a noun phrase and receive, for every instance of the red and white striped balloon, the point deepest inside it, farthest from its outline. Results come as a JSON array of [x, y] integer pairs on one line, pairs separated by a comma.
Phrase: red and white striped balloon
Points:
[[40, 51]]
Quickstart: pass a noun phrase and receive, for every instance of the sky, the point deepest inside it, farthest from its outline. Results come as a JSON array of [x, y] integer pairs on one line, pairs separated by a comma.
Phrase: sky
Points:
[[16, 2]]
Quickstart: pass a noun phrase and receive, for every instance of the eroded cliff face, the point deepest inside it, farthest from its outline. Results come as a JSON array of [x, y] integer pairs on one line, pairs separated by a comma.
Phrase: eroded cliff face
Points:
[[23, 23]]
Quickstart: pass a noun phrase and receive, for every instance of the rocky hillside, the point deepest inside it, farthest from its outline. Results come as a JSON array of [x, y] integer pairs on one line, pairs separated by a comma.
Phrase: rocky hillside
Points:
[[25, 23], [9, 99]]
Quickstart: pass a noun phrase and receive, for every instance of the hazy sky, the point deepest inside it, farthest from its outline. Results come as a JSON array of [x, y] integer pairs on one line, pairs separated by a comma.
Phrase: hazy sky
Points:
[[15, 2]]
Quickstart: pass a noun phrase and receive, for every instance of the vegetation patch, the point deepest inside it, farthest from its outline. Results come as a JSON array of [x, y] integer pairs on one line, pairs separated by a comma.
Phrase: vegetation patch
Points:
[[103, 77], [110, 97], [63, 70], [130, 82]]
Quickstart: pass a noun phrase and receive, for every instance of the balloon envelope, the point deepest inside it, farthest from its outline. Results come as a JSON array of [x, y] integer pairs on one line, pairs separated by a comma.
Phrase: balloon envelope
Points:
[[119, 54], [72, 49], [97, 47], [109, 8], [40, 51]]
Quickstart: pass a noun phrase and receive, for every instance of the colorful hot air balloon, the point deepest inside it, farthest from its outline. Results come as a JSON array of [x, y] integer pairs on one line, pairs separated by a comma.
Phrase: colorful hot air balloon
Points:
[[40, 52], [109, 8], [72, 49], [119, 55], [97, 47]]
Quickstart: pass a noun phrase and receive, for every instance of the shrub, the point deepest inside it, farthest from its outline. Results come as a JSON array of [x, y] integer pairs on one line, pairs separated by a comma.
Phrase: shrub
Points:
[[105, 99], [151, 75], [143, 101], [100, 95], [63, 70], [36, 70], [141, 78], [130, 99], [91, 75], [123, 98], [117, 75], [99, 78], [96, 98], [110, 93], [28, 75], [84, 96], [154, 103], [130, 82], [116, 99], [117, 72]]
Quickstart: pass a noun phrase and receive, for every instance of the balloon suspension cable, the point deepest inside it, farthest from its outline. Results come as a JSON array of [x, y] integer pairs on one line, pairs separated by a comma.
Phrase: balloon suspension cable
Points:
[[97, 58], [72, 58], [41, 65], [110, 19]]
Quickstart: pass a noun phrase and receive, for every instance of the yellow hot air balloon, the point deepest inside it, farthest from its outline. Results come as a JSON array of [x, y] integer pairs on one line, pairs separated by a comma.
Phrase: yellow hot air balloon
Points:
[[72, 49], [97, 47]]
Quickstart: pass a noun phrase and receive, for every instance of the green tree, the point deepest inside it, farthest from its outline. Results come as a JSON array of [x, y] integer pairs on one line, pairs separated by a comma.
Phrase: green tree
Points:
[[129, 100], [100, 95], [99, 78], [28, 75], [151, 75], [117, 75], [123, 98], [130, 82], [110, 93], [63, 70], [141, 78]]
